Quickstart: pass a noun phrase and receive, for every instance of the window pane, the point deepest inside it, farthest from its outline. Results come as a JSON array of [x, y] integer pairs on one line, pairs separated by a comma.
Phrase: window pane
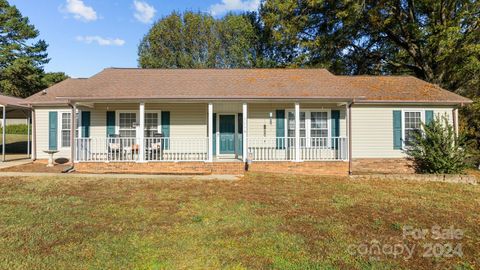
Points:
[[66, 120], [319, 124], [151, 120], [291, 124], [126, 127], [413, 122], [127, 133], [65, 138], [319, 133], [319, 119], [127, 120]]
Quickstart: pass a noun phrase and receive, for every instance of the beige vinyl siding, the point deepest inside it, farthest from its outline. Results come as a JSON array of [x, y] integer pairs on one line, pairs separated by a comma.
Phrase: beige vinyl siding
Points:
[[186, 120], [259, 115], [372, 129], [42, 134]]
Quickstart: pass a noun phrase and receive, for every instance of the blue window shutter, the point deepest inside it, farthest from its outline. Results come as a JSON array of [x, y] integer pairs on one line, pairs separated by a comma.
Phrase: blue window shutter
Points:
[[240, 134], [110, 124], [214, 134], [428, 117], [335, 115], [52, 130], [335, 123], [166, 129], [280, 122], [397, 129], [85, 124]]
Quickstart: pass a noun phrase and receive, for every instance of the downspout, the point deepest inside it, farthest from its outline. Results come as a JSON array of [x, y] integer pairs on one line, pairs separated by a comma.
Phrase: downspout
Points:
[[73, 128], [350, 162]]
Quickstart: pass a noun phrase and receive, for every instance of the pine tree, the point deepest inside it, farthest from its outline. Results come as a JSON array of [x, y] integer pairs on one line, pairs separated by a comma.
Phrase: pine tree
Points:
[[21, 57]]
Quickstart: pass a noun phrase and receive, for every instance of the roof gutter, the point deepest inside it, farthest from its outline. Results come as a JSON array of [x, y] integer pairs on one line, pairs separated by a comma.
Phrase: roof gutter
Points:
[[415, 102], [334, 99], [350, 162]]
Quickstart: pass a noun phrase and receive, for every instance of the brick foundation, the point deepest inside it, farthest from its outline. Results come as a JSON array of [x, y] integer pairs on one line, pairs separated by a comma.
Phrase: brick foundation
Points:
[[382, 165], [306, 167], [311, 168], [161, 167]]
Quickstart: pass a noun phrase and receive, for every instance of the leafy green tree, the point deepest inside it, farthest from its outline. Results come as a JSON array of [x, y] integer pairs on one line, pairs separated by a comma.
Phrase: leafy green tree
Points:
[[51, 78], [21, 57], [438, 41], [438, 149], [197, 40], [236, 37], [470, 125]]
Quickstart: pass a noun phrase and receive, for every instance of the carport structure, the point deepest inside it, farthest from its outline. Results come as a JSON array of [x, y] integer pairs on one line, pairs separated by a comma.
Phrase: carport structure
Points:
[[13, 108]]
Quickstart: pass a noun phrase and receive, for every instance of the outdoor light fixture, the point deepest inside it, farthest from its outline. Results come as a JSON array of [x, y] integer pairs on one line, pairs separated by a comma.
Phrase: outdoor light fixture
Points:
[[271, 116]]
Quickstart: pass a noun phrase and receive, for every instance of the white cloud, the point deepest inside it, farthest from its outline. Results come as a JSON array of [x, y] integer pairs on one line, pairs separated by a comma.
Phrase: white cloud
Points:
[[143, 11], [101, 41], [80, 11], [234, 5]]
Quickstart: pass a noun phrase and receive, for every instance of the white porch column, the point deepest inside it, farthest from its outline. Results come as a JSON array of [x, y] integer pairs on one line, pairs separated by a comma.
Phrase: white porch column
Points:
[[245, 132], [79, 128], [297, 132], [3, 132], [141, 135], [34, 135], [210, 132], [73, 126], [28, 135]]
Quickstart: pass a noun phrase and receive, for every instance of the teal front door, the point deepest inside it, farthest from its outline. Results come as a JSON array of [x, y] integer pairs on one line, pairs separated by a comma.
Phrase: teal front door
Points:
[[227, 134]]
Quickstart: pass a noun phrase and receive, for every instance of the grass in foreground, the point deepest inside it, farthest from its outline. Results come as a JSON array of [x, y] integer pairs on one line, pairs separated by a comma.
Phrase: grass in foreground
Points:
[[262, 221]]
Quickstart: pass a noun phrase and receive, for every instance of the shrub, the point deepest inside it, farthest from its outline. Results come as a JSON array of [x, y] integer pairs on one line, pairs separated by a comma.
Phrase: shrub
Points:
[[16, 129], [438, 150]]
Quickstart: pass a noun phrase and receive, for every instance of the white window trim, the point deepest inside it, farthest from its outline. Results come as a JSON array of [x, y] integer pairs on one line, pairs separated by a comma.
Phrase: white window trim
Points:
[[159, 115], [137, 120], [308, 120], [422, 118], [308, 123], [59, 128], [117, 120]]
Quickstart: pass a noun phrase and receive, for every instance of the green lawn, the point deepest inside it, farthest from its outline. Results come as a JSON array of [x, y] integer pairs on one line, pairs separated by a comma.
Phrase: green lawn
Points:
[[262, 221]]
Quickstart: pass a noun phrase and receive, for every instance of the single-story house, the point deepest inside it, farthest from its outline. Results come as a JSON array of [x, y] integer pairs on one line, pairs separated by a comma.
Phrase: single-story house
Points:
[[215, 120]]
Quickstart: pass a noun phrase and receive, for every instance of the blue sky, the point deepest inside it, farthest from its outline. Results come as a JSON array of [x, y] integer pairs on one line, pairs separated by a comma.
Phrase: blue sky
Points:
[[86, 36]]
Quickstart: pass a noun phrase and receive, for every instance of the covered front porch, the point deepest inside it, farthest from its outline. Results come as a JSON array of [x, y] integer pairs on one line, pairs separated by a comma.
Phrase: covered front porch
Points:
[[209, 132]]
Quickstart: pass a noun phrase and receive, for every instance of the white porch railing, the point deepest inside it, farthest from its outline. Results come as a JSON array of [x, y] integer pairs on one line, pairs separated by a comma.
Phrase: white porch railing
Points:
[[128, 149], [176, 149], [311, 149], [117, 149], [271, 149]]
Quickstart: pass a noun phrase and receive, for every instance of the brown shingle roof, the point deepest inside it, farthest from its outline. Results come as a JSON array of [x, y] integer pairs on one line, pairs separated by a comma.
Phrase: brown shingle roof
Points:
[[118, 83], [11, 101], [401, 88]]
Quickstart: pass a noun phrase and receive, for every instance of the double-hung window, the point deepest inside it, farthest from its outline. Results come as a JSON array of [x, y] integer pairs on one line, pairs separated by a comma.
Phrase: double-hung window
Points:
[[412, 125], [291, 125], [126, 124], [319, 128], [151, 124], [314, 127], [65, 129]]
